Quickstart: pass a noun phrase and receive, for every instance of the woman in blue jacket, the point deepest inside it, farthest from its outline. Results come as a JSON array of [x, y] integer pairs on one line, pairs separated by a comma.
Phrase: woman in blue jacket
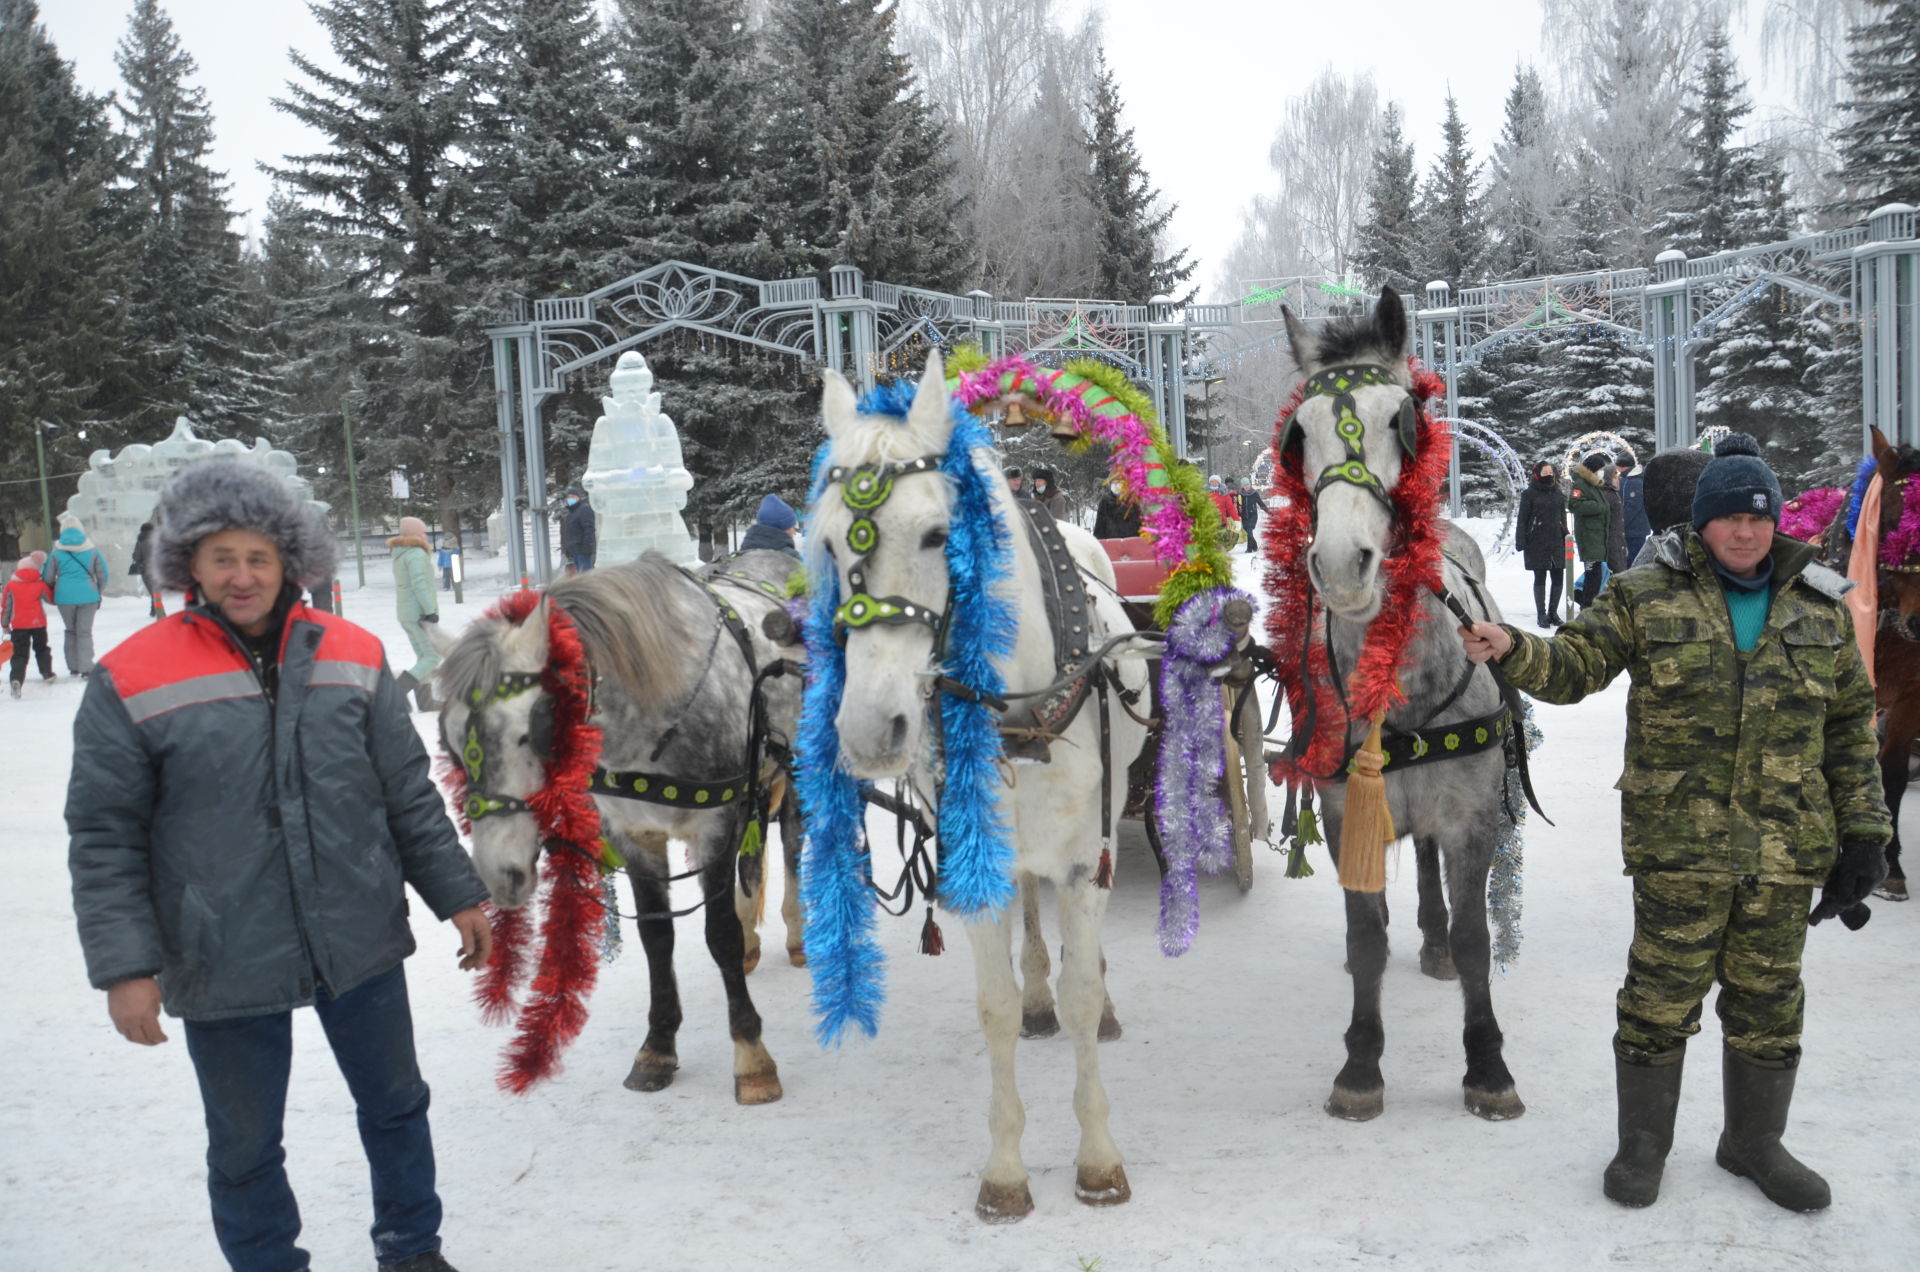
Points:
[[77, 573]]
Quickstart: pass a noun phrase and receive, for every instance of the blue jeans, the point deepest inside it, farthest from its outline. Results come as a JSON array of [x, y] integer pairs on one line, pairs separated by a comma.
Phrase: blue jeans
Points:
[[243, 1064], [580, 561]]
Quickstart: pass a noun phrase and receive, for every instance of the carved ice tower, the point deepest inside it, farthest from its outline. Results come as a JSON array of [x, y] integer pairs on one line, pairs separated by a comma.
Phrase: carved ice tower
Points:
[[635, 479]]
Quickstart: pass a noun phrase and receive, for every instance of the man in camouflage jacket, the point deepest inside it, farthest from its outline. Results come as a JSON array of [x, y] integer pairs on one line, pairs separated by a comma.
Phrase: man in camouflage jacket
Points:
[[1750, 780]]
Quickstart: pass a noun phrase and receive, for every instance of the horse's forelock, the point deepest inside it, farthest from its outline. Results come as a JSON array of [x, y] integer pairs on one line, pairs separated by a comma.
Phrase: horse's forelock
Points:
[[1344, 341], [474, 661]]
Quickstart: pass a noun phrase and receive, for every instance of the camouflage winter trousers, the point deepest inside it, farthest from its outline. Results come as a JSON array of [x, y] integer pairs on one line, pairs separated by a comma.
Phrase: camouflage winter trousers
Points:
[[1691, 929]]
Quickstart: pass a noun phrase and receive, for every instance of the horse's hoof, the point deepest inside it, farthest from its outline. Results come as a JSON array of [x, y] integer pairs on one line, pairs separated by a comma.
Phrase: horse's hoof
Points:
[[756, 1088], [1102, 1185], [1357, 1106], [651, 1073], [1039, 1024], [1437, 964], [1495, 1106], [1892, 890], [751, 961], [797, 955], [1003, 1203], [1109, 1025]]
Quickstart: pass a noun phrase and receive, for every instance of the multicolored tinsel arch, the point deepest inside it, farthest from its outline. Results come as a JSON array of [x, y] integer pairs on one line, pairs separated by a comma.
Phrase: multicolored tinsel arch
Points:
[[1101, 405]]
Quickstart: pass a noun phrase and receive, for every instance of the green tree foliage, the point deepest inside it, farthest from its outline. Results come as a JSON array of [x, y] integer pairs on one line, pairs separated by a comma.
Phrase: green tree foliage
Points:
[[1525, 173], [1452, 232], [64, 367], [1384, 248], [1880, 144], [1130, 220], [185, 303]]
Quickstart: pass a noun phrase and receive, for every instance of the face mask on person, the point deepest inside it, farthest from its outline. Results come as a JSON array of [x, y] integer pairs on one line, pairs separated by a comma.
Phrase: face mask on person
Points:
[[572, 500]]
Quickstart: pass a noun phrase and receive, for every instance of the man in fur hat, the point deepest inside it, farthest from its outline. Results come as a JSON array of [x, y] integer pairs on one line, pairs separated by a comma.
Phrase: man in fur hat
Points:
[[1751, 781], [249, 801]]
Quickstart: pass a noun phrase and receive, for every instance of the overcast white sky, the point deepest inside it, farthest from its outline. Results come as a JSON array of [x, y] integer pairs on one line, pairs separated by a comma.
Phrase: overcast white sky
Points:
[[1205, 81]]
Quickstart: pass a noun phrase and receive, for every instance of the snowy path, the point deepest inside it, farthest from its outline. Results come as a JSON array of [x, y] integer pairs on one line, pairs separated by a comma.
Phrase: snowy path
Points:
[[871, 1158]]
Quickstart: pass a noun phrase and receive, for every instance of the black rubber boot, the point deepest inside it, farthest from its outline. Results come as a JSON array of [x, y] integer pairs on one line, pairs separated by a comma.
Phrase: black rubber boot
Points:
[[1758, 1094], [432, 1262], [405, 683], [1648, 1092], [423, 694]]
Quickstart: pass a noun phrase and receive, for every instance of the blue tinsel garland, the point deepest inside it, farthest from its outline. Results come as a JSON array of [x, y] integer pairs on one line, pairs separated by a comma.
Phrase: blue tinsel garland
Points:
[[975, 854], [1861, 476]]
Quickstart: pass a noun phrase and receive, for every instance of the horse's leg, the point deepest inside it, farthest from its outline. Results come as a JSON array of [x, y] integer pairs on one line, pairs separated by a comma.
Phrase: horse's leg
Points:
[[1037, 1018], [1004, 1195], [1359, 1092], [1901, 723], [1435, 961], [1488, 1084], [790, 912], [748, 909], [1100, 1177], [756, 1080], [653, 1067]]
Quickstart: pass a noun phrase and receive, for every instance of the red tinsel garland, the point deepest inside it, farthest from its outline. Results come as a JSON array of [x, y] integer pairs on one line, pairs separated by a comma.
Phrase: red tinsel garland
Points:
[[565, 813], [1411, 570]]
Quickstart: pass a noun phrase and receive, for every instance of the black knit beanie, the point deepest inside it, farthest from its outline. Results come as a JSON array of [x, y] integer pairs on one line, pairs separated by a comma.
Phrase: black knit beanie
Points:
[[1736, 480]]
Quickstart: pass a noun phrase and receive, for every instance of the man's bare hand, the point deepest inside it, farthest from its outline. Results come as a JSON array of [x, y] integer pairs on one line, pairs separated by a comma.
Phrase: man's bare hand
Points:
[[1486, 640], [476, 937], [134, 1007]]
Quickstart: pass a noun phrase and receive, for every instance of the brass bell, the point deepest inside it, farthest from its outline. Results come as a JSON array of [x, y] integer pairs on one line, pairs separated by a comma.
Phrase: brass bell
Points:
[[1015, 416]]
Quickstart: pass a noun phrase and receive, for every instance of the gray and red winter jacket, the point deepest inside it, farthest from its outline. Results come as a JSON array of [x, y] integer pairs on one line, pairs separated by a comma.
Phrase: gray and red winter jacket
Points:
[[244, 848]]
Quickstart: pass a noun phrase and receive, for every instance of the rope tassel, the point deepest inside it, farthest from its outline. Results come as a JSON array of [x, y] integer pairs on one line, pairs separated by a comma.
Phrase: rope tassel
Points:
[[1366, 828], [932, 943]]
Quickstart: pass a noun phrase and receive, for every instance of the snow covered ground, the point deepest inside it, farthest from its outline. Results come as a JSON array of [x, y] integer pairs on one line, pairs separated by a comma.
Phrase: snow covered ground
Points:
[[871, 1158]]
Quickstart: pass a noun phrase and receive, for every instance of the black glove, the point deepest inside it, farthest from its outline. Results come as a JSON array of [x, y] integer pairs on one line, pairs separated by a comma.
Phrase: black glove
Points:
[[434, 618], [1853, 878]]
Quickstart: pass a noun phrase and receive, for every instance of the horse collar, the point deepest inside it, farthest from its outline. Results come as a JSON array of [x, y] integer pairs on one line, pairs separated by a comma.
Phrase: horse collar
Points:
[[863, 489]]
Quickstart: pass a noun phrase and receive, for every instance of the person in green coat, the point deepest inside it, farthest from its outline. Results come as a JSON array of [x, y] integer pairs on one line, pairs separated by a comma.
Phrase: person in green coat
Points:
[[417, 603], [1751, 780], [1592, 521]]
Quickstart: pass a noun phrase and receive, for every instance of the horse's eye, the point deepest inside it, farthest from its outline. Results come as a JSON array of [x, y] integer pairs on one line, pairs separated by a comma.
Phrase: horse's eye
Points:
[[540, 729], [934, 539]]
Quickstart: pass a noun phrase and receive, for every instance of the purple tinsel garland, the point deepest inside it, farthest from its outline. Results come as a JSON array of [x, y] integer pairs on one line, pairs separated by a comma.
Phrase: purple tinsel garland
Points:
[[1195, 832]]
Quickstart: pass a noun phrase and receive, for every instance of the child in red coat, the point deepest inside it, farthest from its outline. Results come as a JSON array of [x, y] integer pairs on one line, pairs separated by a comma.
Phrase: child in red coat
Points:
[[24, 616]]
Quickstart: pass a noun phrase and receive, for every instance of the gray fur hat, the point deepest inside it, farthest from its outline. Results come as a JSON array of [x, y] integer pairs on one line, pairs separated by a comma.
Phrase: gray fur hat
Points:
[[227, 494]]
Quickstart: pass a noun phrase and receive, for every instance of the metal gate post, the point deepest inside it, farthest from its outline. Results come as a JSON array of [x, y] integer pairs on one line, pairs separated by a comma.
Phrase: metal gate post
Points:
[[510, 520], [1886, 296]]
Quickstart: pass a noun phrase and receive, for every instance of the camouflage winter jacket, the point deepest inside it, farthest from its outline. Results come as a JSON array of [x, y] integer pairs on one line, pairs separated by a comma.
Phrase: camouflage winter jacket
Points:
[[1757, 764]]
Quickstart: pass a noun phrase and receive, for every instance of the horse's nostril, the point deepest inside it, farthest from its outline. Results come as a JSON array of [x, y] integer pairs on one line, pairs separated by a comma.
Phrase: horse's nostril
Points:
[[1366, 561], [515, 879], [897, 733]]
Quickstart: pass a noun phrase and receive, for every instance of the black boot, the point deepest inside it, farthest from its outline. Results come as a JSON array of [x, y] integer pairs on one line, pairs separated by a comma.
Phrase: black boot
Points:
[[423, 694], [1648, 1092], [430, 1262], [1758, 1094], [405, 683]]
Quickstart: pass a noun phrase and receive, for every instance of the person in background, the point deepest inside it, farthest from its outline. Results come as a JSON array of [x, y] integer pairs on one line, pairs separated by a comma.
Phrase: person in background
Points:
[[1633, 496], [77, 573], [248, 805], [1229, 511], [416, 604], [1016, 482], [1251, 506], [1617, 557], [1587, 502], [578, 538], [1671, 477], [1744, 669], [23, 617], [449, 549], [1116, 516], [1541, 530], [1048, 493], [138, 568], [774, 528]]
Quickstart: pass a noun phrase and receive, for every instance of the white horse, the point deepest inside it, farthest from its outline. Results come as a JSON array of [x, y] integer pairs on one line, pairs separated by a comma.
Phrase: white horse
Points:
[[1052, 810]]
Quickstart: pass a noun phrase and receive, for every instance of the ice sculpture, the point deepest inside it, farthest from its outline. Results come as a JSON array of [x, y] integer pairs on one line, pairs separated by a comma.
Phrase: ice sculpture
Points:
[[635, 479], [118, 492]]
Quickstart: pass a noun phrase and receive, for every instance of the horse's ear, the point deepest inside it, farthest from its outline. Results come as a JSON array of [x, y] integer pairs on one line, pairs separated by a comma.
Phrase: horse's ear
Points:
[[528, 640], [838, 404], [1306, 349], [1885, 455], [930, 414], [1390, 322]]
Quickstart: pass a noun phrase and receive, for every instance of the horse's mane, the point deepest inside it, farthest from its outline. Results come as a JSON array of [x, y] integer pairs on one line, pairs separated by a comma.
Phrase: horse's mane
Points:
[[1355, 339], [625, 614], [474, 661]]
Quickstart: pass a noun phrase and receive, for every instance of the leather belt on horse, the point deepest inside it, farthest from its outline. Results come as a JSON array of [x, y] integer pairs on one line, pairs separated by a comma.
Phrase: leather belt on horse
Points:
[[1069, 619], [659, 788], [1445, 741]]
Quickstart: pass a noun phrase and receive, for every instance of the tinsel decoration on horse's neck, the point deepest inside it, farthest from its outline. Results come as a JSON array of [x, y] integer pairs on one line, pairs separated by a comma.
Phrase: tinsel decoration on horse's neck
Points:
[[567, 821], [975, 853], [1296, 620]]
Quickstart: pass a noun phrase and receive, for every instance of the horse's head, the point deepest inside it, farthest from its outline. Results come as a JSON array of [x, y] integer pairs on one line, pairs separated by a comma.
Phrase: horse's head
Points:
[[497, 724], [882, 520], [1353, 429]]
